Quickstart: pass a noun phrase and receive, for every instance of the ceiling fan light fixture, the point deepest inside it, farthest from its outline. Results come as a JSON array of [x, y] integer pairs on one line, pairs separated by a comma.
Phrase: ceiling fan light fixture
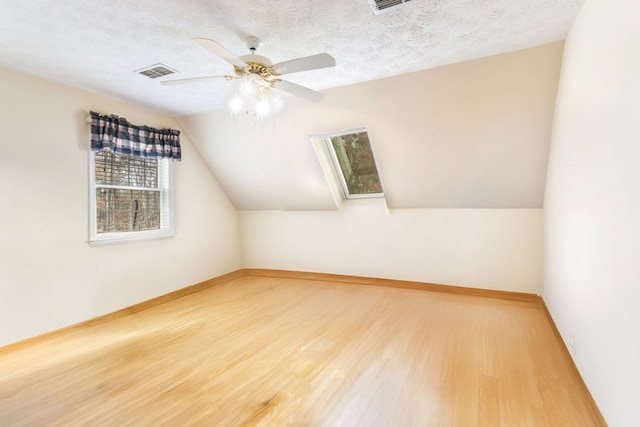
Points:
[[248, 86], [255, 96], [236, 104], [262, 108]]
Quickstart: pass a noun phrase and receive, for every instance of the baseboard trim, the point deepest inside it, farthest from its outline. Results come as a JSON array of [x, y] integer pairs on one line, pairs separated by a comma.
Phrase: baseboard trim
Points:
[[127, 311], [594, 407], [144, 305], [393, 283]]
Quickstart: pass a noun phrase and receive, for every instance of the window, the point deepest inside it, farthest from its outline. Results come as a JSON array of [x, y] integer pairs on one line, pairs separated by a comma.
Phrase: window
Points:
[[130, 179], [352, 163], [131, 197]]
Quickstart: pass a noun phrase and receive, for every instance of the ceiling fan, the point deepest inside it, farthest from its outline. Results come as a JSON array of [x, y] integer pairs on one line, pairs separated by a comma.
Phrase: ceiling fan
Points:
[[261, 70]]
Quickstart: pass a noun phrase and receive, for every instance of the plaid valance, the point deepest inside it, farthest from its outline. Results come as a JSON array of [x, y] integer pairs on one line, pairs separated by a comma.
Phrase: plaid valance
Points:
[[113, 133]]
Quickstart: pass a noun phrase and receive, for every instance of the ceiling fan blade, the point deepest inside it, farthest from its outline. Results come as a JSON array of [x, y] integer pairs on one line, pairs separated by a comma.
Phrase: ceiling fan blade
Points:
[[298, 90], [194, 79], [219, 50], [313, 62]]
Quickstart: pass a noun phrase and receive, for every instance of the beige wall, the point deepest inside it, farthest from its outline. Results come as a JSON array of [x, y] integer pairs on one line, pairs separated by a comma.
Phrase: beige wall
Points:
[[480, 248], [592, 205], [49, 276], [473, 136], [469, 135]]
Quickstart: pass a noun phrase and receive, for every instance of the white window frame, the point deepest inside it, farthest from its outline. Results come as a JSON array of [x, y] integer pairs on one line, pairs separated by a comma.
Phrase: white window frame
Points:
[[331, 165], [165, 175]]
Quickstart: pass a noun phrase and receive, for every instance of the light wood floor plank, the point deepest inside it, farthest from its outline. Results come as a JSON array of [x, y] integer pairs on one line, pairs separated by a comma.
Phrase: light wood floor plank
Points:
[[266, 351]]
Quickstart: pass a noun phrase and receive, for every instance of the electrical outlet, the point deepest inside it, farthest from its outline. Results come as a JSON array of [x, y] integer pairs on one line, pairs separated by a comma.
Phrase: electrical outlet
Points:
[[572, 343]]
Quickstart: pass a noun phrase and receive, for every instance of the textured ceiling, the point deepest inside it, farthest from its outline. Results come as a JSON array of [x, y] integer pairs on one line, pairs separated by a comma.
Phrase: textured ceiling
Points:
[[98, 46]]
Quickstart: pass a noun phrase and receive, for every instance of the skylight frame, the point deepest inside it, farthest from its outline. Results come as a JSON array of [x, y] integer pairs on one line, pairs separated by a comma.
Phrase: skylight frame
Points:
[[336, 169]]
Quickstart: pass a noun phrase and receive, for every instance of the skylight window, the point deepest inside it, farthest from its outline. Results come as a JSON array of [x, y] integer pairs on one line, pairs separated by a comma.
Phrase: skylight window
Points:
[[352, 163]]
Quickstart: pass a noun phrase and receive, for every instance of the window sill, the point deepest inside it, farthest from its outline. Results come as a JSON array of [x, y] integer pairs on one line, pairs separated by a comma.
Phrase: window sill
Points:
[[119, 238]]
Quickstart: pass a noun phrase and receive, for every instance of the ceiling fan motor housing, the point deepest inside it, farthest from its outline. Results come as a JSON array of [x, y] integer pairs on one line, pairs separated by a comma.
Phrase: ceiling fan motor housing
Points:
[[263, 71], [256, 64]]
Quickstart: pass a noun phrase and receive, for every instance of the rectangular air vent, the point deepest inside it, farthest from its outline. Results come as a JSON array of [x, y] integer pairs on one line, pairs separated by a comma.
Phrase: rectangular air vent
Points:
[[155, 71], [382, 6]]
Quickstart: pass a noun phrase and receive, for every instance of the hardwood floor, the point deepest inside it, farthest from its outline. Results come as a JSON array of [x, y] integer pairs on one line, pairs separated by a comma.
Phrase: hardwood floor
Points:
[[264, 351]]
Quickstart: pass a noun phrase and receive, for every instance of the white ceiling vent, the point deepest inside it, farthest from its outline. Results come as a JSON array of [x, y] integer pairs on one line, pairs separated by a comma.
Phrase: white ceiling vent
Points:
[[155, 71], [382, 6]]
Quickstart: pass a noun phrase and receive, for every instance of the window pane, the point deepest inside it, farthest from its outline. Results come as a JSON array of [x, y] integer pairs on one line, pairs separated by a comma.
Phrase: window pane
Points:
[[117, 169], [357, 163], [127, 210]]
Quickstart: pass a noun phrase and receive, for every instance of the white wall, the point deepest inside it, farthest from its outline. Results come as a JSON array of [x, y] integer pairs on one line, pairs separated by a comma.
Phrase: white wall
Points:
[[49, 276], [592, 205], [481, 248]]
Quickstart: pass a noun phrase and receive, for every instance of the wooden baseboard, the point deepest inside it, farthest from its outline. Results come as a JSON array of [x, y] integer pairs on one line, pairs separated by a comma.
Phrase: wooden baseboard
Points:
[[393, 283], [594, 406], [144, 305]]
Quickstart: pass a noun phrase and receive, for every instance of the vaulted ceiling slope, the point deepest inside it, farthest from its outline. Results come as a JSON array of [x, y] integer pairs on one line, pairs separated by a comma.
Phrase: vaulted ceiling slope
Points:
[[468, 135], [99, 46]]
